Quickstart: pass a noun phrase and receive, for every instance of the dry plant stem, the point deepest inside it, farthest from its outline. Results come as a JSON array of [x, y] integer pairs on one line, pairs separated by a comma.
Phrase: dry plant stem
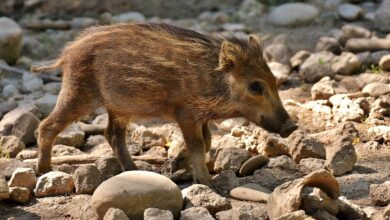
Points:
[[83, 159]]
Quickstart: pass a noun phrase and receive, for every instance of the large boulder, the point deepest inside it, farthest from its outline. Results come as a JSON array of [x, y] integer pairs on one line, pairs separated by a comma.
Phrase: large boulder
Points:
[[135, 191], [10, 39]]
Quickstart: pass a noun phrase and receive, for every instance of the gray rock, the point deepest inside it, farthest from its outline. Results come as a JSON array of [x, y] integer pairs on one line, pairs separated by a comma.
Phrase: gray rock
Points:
[[23, 177], [350, 12], [381, 107], [349, 210], [10, 90], [280, 71], [71, 136], [142, 165], [10, 146], [317, 66], [380, 193], [312, 164], [366, 78], [224, 215], [250, 10], [384, 63], [293, 14], [27, 154], [4, 190], [376, 89], [83, 22], [196, 213], [251, 192], [345, 109], [157, 214], [54, 183], [21, 123], [314, 199], [346, 64], [297, 215], [31, 83], [10, 39], [46, 104], [86, 179], [341, 156], [128, 17], [277, 52], [115, 214], [135, 191], [52, 88], [382, 16], [302, 146], [252, 164], [225, 181], [352, 31], [201, 195], [19, 194], [282, 162], [273, 177], [323, 215], [108, 166], [230, 159], [287, 197], [325, 88], [89, 213], [328, 44], [7, 106], [147, 138], [299, 58], [9, 165], [94, 140], [380, 131], [157, 151], [246, 210], [63, 150], [66, 168]]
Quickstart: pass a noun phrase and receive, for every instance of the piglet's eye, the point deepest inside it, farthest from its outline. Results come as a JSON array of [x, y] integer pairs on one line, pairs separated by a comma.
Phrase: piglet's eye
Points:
[[256, 88]]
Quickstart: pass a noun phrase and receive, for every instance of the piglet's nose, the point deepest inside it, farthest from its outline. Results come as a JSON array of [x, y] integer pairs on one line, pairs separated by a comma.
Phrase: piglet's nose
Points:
[[287, 128]]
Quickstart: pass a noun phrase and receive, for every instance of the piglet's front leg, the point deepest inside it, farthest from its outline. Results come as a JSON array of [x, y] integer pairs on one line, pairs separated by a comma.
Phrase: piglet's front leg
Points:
[[193, 136]]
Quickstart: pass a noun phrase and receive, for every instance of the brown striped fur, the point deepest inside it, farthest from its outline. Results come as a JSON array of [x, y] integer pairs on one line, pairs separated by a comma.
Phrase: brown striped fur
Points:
[[158, 70]]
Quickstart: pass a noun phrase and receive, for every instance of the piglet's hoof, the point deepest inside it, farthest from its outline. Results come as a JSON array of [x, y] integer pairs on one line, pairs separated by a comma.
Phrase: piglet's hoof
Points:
[[42, 169]]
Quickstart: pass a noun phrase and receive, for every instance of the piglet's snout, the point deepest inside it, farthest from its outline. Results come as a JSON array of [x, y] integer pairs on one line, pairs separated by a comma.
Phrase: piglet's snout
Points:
[[287, 128]]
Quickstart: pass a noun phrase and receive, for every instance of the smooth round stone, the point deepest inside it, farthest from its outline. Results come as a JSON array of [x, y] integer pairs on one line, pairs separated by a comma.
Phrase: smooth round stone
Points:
[[350, 12], [376, 89], [135, 191], [293, 14], [251, 192], [252, 164]]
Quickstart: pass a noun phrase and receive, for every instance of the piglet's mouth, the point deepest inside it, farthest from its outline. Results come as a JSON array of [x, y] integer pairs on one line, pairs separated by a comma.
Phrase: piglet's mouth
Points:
[[287, 128]]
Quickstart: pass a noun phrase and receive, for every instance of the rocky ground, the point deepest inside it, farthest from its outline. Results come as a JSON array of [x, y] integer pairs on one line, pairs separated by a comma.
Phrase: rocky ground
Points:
[[332, 63]]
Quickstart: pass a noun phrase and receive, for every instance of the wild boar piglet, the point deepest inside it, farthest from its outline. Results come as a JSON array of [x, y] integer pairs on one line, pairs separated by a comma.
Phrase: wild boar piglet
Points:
[[143, 70]]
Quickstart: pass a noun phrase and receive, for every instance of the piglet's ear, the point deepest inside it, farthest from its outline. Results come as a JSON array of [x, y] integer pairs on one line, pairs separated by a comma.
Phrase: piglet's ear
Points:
[[254, 40], [228, 56]]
